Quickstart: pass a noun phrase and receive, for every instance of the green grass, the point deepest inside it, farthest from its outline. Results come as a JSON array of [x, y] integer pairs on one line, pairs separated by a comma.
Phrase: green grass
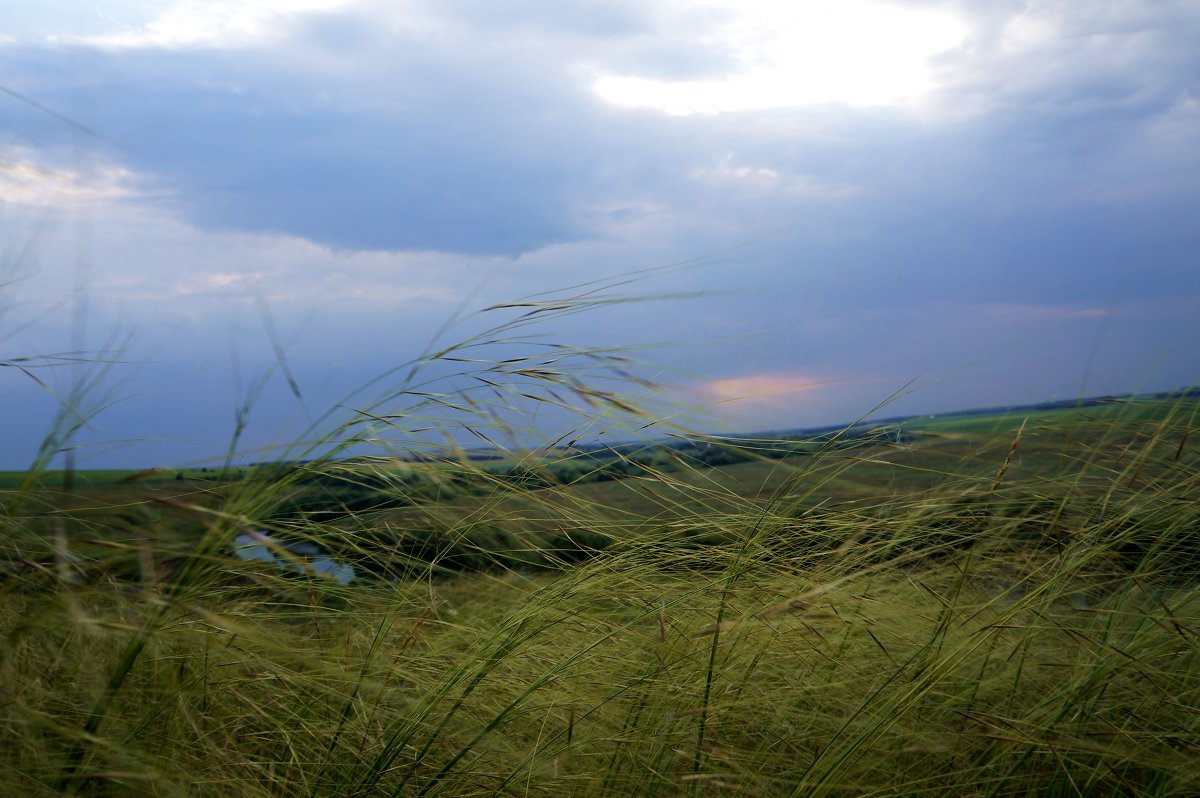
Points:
[[961, 637], [1001, 606], [11, 480]]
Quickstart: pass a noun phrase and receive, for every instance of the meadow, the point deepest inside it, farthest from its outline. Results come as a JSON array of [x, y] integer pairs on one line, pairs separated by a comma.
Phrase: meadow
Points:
[[984, 605]]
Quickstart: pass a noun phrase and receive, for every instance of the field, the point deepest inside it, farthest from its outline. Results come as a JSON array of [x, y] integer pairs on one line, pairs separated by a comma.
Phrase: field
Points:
[[984, 605]]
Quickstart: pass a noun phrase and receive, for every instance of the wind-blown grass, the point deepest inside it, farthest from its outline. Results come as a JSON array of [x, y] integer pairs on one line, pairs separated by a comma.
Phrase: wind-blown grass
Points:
[[1001, 611]]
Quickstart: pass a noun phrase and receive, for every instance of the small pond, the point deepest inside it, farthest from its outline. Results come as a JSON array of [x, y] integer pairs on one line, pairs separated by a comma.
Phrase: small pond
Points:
[[290, 556]]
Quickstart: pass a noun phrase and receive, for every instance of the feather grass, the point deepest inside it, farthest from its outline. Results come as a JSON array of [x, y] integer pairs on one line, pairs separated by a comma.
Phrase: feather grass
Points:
[[987, 610]]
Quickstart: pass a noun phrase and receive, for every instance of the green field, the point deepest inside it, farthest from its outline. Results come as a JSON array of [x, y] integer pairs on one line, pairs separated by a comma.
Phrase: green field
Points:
[[995, 605]]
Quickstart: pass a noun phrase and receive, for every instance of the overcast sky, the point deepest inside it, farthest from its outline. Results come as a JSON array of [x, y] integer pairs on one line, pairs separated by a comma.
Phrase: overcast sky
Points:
[[973, 203]]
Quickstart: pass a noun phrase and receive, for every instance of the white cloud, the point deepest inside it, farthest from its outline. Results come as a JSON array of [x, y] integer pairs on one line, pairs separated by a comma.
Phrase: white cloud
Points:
[[726, 170], [206, 23], [25, 181], [1012, 312], [1075, 58], [1179, 125], [204, 270], [857, 52], [763, 179]]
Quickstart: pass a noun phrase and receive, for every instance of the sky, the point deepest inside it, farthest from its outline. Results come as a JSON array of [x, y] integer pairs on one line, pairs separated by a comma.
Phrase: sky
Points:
[[219, 214]]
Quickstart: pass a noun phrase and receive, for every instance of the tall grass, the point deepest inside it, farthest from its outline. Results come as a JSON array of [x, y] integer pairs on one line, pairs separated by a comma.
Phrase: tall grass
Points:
[[977, 613]]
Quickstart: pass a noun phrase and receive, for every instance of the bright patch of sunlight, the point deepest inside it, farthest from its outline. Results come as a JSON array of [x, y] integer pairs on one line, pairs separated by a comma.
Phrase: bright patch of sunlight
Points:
[[760, 386], [856, 52]]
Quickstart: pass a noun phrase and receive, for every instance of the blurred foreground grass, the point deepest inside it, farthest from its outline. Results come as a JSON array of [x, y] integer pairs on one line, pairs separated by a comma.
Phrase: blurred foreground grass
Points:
[[1006, 606]]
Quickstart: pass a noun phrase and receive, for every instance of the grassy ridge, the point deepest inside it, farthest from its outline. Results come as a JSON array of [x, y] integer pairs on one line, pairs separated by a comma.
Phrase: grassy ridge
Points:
[[1005, 606]]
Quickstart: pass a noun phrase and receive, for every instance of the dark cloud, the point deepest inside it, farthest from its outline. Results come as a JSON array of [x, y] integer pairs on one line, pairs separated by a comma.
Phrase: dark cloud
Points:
[[474, 158], [489, 144]]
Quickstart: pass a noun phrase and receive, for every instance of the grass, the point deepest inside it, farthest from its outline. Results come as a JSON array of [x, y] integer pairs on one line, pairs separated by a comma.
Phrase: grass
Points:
[[1000, 606]]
